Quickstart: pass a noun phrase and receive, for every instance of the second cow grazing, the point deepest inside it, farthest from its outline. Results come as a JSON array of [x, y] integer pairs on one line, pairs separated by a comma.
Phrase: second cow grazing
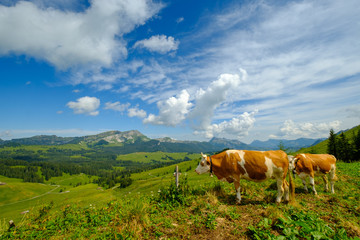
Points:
[[233, 165], [306, 165]]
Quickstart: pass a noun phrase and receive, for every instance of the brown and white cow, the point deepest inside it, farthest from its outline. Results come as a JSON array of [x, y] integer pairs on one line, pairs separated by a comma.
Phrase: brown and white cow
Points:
[[233, 165], [306, 164]]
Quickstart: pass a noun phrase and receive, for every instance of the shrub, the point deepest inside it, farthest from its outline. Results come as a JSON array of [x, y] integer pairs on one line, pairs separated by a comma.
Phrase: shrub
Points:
[[175, 196]]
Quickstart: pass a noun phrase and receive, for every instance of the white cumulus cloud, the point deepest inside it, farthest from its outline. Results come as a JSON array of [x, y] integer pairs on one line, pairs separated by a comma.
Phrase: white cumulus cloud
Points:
[[67, 39], [172, 111], [85, 105], [238, 127], [208, 100], [290, 129], [158, 43]]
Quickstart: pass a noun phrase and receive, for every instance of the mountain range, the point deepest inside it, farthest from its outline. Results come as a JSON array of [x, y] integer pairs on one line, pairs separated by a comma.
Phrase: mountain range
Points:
[[133, 141]]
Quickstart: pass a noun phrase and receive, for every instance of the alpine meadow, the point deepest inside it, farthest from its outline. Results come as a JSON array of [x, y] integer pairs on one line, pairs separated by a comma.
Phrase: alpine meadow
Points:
[[85, 190]]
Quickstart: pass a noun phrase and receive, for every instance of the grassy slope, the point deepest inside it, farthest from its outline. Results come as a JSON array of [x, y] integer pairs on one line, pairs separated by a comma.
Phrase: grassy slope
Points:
[[210, 212]]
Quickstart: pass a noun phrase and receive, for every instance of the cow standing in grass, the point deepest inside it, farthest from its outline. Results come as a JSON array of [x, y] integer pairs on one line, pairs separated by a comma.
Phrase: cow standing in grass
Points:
[[233, 165], [306, 164]]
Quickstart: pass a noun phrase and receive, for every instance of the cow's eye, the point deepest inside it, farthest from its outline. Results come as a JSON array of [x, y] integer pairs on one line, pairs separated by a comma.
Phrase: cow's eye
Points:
[[202, 163]]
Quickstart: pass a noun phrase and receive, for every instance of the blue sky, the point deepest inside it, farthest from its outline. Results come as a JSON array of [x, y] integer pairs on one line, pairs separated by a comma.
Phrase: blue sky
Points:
[[189, 70]]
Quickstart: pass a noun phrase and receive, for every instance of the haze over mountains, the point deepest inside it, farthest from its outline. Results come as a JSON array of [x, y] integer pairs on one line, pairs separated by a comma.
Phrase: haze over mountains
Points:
[[136, 141]]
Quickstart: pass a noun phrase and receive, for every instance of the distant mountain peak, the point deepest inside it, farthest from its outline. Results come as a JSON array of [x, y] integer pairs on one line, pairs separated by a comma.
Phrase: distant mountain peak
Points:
[[133, 139], [116, 137]]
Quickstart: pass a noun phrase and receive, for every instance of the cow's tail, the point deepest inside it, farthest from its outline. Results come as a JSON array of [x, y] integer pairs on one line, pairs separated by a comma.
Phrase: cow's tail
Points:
[[291, 188]]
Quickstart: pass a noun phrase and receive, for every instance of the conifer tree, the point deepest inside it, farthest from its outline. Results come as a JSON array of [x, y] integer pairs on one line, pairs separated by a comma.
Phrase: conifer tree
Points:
[[344, 148], [357, 146], [332, 143]]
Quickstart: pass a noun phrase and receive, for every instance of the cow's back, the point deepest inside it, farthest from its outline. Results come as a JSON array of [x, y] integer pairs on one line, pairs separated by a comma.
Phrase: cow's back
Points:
[[315, 162], [257, 165]]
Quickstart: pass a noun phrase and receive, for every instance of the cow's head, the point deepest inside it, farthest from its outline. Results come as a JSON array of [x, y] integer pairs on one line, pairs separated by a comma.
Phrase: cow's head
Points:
[[292, 164], [204, 165]]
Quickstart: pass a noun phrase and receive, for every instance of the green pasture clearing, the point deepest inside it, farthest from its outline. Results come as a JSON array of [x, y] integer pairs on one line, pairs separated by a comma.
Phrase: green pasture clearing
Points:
[[16, 190], [67, 180], [156, 156], [82, 196], [17, 196], [44, 148]]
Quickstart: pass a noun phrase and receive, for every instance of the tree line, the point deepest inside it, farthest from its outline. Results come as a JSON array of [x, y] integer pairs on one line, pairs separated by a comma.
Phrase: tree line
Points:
[[344, 148]]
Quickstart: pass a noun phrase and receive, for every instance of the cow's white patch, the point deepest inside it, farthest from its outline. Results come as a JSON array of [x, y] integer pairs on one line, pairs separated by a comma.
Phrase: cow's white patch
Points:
[[203, 167], [229, 152], [303, 155], [242, 164], [242, 154], [269, 164]]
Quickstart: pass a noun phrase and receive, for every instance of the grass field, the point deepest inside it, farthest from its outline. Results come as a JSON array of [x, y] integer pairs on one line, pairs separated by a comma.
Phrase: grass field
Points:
[[203, 208]]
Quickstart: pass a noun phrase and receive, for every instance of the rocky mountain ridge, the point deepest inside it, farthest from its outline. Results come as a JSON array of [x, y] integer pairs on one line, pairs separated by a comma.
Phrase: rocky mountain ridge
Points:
[[135, 140]]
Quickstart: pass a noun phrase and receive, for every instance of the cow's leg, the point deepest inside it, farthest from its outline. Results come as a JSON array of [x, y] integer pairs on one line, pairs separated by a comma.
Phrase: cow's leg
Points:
[[280, 188], [286, 187], [326, 182], [332, 179], [237, 189], [303, 179], [312, 183]]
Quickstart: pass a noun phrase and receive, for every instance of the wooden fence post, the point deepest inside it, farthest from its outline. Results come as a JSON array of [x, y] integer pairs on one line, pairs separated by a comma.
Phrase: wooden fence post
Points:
[[177, 176]]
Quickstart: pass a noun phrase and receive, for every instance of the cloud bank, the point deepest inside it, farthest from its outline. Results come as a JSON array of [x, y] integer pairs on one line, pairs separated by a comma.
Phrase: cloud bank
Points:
[[292, 130], [67, 39]]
